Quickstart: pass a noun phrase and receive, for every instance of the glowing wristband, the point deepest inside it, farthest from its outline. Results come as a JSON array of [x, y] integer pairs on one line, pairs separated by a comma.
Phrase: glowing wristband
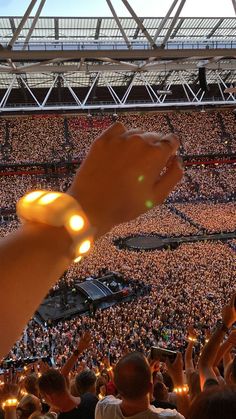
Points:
[[181, 390], [59, 210], [10, 403], [190, 339]]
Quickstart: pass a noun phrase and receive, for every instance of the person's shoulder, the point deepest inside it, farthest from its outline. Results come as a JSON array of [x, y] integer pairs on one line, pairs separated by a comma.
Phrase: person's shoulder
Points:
[[107, 407], [110, 400], [89, 397], [158, 412]]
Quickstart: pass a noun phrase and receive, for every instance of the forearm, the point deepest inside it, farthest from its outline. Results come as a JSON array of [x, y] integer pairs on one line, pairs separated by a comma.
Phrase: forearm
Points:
[[208, 356], [227, 358], [225, 347], [209, 351], [32, 259], [183, 404], [10, 413], [70, 363], [189, 357]]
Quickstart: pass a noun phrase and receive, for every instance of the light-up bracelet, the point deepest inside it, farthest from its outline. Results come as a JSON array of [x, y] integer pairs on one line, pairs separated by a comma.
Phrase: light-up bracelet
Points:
[[181, 390], [190, 339], [59, 210], [10, 403]]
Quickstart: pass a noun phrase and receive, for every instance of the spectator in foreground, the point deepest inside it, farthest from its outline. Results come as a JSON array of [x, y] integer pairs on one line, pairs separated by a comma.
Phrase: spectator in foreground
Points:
[[215, 403], [161, 396], [133, 380], [53, 389], [86, 382]]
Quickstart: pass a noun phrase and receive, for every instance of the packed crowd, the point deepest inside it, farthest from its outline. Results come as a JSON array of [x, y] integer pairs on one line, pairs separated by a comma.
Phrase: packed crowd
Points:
[[202, 274], [212, 218], [51, 137], [198, 184]]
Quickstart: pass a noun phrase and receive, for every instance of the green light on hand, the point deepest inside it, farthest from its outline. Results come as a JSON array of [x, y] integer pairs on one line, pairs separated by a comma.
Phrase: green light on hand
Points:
[[141, 178], [149, 204]]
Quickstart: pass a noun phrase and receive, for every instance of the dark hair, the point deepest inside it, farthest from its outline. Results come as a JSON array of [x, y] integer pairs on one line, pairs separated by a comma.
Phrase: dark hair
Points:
[[52, 381], [31, 384], [84, 381], [132, 376], [219, 402]]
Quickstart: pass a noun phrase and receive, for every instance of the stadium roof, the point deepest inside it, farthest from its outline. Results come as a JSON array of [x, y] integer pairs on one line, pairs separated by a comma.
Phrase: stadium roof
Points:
[[74, 29], [123, 52]]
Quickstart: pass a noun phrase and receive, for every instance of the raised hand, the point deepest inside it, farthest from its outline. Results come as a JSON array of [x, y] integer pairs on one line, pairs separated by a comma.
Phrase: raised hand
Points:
[[192, 335], [175, 370], [123, 176], [229, 312], [84, 342]]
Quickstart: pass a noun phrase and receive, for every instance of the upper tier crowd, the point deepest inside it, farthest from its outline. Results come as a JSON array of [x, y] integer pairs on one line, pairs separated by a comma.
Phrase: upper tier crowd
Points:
[[198, 184], [53, 136]]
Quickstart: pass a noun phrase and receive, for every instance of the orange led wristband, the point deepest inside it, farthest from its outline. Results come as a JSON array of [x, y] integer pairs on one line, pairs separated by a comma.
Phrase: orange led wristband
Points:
[[59, 210]]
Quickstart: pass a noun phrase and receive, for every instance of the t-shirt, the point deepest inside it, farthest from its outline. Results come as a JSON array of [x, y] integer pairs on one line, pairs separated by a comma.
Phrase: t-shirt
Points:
[[109, 408], [85, 410], [163, 405]]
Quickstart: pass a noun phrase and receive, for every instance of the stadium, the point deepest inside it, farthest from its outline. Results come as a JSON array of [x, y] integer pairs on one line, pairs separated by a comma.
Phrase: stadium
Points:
[[126, 122]]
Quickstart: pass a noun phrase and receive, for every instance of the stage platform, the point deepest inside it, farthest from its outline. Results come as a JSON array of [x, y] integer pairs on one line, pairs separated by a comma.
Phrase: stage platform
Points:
[[158, 242]]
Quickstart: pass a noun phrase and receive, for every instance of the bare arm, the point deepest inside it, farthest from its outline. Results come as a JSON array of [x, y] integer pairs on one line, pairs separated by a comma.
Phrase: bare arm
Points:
[[208, 356], [31, 261], [71, 362], [176, 372], [188, 358], [223, 349]]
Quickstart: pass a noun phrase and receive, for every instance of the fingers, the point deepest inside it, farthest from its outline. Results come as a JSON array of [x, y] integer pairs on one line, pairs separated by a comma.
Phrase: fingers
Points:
[[130, 134], [170, 143], [168, 181], [115, 130]]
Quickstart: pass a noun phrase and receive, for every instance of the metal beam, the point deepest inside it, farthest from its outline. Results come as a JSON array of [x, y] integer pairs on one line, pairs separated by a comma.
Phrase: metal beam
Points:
[[35, 20], [49, 91], [56, 28], [137, 30], [174, 20], [90, 89], [111, 90], [12, 24], [225, 86], [71, 91], [7, 93], [175, 31], [164, 20], [135, 54], [234, 5], [98, 27], [159, 67], [22, 23], [139, 23], [215, 28], [115, 106], [118, 23]]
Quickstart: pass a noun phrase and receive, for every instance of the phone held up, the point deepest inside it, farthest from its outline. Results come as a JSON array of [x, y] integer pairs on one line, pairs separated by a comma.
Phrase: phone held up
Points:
[[162, 354]]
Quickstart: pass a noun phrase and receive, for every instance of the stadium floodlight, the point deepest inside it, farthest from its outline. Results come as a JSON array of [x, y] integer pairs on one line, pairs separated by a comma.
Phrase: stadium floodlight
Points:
[[164, 92]]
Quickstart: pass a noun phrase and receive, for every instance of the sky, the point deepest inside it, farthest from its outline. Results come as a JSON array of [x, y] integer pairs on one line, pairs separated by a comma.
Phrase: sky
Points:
[[199, 8]]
